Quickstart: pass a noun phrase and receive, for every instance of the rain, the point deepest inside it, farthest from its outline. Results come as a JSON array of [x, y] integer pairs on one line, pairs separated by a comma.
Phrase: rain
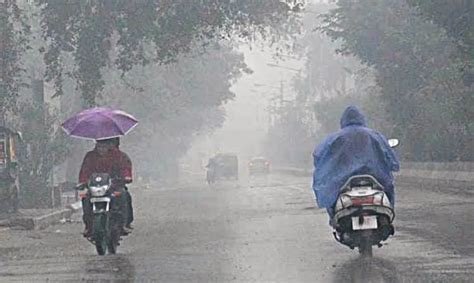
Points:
[[236, 141]]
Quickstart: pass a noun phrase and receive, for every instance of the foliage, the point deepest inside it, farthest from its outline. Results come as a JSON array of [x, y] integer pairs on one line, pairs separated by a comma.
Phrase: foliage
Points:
[[93, 30], [329, 83], [289, 140], [457, 18], [420, 55], [418, 70], [132, 53], [47, 146], [13, 42], [173, 103]]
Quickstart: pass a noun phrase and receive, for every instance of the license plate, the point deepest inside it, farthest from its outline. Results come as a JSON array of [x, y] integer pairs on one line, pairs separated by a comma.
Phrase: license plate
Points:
[[103, 199], [370, 222]]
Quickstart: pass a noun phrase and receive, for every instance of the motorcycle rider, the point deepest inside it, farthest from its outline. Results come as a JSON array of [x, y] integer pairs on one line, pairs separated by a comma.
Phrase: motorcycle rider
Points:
[[353, 150], [107, 158]]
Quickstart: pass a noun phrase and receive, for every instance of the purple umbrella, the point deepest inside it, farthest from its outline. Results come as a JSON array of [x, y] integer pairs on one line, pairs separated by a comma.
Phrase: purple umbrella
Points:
[[99, 123]]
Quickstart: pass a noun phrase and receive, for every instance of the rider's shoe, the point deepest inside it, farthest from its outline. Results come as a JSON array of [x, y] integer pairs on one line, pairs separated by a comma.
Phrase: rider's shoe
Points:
[[87, 233], [126, 231]]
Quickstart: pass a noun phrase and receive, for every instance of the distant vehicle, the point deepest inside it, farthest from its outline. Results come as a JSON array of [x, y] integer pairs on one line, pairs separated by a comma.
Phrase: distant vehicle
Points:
[[223, 166], [259, 165]]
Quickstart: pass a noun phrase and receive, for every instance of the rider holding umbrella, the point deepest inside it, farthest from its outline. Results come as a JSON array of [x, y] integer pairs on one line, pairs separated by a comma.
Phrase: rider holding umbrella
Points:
[[107, 158], [104, 125]]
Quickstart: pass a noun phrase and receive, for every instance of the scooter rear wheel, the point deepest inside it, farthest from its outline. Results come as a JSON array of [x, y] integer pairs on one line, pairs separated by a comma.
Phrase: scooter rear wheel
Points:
[[365, 248]]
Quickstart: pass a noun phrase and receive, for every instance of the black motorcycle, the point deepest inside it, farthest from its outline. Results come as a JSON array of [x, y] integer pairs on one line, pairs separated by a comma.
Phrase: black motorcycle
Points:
[[107, 225]]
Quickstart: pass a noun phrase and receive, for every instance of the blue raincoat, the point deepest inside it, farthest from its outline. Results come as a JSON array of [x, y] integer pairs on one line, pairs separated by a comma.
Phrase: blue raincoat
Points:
[[353, 150]]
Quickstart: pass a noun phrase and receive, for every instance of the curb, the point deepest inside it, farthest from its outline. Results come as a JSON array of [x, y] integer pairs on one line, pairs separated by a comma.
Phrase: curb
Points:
[[43, 221]]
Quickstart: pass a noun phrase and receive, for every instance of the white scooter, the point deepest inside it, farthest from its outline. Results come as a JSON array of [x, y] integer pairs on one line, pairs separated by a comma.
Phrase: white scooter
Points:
[[363, 213]]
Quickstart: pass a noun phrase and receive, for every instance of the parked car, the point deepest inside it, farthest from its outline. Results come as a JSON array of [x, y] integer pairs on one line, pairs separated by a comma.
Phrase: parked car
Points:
[[259, 165]]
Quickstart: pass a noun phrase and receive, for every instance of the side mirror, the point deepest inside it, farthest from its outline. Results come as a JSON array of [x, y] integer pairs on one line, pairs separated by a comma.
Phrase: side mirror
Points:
[[393, 142]]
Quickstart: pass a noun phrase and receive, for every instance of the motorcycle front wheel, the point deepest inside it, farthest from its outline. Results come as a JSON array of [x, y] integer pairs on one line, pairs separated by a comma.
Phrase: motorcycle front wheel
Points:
[[100, 234], [113, 235], [112, 245]]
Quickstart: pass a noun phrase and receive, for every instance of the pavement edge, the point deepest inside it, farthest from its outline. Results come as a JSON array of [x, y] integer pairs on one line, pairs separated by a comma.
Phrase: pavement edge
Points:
[[46, 220]]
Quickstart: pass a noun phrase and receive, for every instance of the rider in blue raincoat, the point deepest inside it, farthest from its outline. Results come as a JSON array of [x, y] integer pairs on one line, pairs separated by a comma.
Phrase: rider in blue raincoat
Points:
[[353, 150]]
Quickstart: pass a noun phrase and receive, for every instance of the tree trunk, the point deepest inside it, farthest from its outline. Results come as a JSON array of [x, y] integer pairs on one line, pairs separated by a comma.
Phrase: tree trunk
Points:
[[36, 192]]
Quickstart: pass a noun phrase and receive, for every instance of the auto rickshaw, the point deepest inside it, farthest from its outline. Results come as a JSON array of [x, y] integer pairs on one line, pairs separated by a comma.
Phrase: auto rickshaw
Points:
[[9, 170], [223, 166]]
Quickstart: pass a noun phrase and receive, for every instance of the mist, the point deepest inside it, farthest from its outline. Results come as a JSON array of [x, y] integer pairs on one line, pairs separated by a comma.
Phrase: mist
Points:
[[249, 141]]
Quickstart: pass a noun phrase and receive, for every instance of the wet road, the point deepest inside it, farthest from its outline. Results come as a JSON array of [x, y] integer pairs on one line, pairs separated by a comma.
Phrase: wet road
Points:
[[259, 230]]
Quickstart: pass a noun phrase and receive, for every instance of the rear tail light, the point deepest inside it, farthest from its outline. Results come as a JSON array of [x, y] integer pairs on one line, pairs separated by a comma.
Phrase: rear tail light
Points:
[[345, 201], [363, 200]]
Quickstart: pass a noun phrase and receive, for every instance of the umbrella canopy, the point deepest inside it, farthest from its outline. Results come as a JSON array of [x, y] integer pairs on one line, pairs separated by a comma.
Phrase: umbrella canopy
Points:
[[99, 123]]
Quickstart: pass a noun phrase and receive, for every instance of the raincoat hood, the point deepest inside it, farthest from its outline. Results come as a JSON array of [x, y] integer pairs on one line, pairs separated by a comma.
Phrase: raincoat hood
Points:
[[352, 117]]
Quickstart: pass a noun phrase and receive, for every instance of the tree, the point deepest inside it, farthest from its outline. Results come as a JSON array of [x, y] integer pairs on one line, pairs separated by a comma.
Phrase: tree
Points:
[[457, 18], [329, 83], [173, 103], [47, 147], [100, 34], [418, 71], [13, 42]]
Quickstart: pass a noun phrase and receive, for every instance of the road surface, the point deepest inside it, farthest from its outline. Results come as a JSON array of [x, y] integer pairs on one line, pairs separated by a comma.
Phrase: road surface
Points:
[[258, 230]]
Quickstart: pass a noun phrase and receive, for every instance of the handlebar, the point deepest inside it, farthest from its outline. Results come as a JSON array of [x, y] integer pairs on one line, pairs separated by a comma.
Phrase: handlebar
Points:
[[115, 181], [80, 187], [120, 181]]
